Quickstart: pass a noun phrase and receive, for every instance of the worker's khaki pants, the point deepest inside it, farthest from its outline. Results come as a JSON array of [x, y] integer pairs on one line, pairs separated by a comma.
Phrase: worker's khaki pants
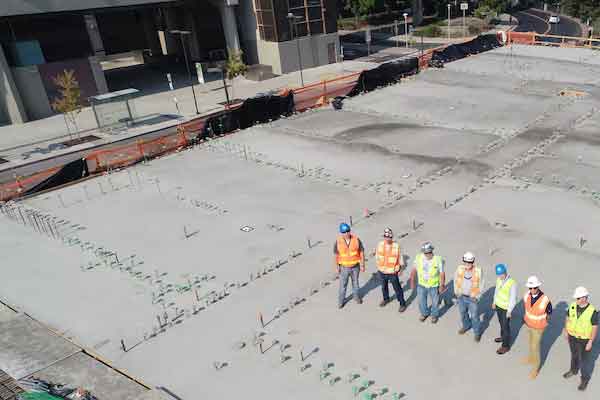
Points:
[[535, 354]]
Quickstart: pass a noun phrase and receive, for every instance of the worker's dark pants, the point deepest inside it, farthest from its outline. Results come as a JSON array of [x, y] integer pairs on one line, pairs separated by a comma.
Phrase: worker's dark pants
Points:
[[580, 359], [504, 326], [393, 279]]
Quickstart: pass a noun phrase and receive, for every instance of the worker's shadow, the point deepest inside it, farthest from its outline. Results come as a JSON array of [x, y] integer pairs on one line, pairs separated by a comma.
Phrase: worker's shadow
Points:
[[554, 329], [485, 309], [446, 299], [516, 321], [373, 283]]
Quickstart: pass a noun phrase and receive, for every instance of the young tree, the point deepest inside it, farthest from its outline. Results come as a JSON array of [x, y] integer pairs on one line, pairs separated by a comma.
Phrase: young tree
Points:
[[69, 101], [234, 66]]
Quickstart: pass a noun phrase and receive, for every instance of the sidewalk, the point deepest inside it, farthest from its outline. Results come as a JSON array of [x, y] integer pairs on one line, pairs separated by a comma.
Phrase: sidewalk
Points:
[[30, 141]]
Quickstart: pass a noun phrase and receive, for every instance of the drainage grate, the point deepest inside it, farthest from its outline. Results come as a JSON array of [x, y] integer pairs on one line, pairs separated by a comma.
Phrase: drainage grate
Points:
[[74, 142]]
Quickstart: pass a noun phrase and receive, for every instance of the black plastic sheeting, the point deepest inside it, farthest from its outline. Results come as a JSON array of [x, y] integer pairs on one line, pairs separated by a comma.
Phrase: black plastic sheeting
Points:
[[255, 110], [385, 74], [70, 172], [454, 52]]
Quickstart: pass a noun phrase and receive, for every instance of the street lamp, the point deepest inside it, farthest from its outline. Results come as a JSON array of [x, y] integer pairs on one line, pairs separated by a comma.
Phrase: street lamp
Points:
[[187, 64], [291, 17], [406, 28], [448, 33]]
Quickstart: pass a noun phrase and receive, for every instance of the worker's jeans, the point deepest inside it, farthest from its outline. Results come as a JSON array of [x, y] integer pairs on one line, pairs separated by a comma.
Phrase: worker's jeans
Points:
[[423, 293], [504, 326], [535, 352], [345, 273], [393, 278], [469, 314], [580, 359]]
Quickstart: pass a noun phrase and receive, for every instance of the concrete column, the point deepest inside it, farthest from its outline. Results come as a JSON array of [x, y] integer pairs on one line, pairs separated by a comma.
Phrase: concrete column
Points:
[[417, 11], [11, 105], [229, 26], [91, 25], [150, 32]]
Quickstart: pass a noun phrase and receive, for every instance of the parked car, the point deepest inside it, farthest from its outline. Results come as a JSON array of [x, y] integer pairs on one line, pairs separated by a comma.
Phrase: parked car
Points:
[[554, 19]]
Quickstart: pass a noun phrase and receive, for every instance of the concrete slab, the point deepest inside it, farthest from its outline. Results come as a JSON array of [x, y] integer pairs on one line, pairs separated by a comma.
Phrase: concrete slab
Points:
[[81, 370], [27, 347]]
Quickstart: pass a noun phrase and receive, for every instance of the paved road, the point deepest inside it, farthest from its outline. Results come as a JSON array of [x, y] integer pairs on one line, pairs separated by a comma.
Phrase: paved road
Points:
[[533, 20]]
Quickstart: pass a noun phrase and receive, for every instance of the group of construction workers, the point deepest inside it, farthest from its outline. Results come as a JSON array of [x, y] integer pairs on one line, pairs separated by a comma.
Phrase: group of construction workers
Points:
[[428, 273]]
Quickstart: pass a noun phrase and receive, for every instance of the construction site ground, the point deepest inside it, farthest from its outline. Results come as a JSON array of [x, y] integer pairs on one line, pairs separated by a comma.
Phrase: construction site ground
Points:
[[484, 155]]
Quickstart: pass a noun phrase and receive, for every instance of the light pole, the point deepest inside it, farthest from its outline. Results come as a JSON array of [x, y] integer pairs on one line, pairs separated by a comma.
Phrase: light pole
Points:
[[291, 17], [187, 64], [406, 28], [448, 33]]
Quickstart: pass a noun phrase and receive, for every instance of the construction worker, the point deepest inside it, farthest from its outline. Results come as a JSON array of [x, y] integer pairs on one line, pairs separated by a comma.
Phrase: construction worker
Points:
[[468, 286], [349, 259], [431, 278], [581, 329], [538, 309], [389, 265], [505, 299]]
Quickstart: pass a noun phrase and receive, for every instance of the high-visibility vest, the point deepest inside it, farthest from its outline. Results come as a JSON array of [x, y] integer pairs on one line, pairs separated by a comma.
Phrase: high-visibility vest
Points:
[[536, 316], [475, 281], [580, 327], [502, 294], [388, 257], [348, 255], [434, 271]]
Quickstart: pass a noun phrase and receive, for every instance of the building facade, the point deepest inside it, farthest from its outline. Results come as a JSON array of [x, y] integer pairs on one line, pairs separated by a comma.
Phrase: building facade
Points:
[[104, 40]]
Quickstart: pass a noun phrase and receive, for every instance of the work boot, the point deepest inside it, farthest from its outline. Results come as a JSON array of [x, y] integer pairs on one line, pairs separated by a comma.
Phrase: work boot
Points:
[[569, 374], [358, 300], [383, 303], [478, 338], [526, 360], [462, 331], [434, 320], [422, 318], [583, 385], [401, 308], [533, 374], [340, 306], [498, 340], [502, 350]]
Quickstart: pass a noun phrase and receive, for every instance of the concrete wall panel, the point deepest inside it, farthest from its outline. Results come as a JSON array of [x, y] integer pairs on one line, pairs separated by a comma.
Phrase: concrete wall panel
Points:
[[30, 85]]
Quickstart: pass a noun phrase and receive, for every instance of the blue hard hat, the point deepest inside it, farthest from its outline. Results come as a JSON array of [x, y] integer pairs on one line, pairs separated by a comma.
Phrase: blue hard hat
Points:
[[500, 269], [344, 227]]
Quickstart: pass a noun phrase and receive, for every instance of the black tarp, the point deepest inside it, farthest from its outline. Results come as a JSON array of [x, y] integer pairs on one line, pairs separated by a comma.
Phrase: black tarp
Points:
[[385, 74], [457, 51], [255, 110], [70, 172]]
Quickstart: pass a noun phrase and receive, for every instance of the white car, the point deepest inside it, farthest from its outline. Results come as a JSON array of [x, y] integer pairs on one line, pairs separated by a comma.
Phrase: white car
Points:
[[554, 19]]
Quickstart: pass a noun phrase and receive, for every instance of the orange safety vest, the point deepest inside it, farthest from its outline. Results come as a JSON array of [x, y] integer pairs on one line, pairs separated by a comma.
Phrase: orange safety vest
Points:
[[388, 257], [348, 255], [535, 316], [475, 281]]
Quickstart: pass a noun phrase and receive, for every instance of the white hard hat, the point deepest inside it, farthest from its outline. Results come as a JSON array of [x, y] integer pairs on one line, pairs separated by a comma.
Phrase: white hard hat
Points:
[[427, 247], [580, 292], [533, 282], [469, 257]]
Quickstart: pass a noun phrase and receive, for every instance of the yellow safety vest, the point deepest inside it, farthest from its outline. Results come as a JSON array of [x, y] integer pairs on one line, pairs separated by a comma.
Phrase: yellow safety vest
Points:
[[580, 327], [388, 257], [434, 271], [502, 294]]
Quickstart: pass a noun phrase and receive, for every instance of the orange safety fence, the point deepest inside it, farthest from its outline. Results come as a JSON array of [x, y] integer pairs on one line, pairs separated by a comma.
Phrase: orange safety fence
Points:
[[114, 157], [320, 93], [520, 37]]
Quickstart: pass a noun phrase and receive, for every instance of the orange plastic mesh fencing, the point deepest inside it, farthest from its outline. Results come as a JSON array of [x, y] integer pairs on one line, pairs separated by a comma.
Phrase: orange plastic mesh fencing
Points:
[[521, 37], [114, 157], [12, 190], [320, 93]]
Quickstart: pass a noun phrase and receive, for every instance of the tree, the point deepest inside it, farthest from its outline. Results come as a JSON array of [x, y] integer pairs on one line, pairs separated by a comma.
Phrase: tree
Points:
[[234, 66], [359, 8], [69, 101]]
